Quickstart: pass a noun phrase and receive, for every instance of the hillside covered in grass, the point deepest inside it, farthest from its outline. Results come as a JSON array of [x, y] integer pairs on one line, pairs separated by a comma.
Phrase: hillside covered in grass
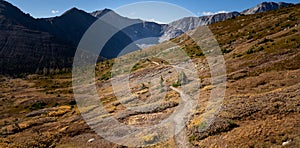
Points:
[[261, 107]]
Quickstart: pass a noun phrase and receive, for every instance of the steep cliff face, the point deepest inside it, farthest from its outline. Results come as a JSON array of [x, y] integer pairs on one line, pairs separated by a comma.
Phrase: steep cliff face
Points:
[[30, 51], [24, 47], [189, 23]]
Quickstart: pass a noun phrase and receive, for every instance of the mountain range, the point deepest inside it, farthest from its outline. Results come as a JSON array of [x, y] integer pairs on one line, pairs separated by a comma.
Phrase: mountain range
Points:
[[30, 45]]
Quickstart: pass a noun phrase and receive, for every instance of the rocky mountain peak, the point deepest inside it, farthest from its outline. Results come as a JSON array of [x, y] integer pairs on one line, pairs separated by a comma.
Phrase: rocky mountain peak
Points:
[[265, 6], [74, 12], [100, 13]]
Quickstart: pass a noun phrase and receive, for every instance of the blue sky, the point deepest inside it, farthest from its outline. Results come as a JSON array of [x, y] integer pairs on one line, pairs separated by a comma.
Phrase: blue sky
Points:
[[48, 8]]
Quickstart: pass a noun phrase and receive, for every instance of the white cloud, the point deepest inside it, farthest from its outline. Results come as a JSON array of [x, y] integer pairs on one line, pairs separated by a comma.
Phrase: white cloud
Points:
[[156, 21], [54, 11], [207, 13], [212, 13]]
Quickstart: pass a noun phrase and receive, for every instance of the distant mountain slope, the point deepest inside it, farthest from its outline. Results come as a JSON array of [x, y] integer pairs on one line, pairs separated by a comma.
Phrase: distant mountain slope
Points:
[[190, 23], [139, 30], [50, 43], [265, 6], [30, 45]]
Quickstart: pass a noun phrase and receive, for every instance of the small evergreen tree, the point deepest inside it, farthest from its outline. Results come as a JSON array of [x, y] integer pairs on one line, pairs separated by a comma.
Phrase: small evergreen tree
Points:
[[182, 78], [161, 84]]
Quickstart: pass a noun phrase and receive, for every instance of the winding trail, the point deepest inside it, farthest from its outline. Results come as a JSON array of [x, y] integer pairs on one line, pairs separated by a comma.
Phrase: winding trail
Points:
[[181, 138]]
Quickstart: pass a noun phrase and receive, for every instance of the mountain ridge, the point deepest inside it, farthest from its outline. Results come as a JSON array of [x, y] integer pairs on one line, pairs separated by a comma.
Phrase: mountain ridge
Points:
[[63, 33], [265, 6]]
